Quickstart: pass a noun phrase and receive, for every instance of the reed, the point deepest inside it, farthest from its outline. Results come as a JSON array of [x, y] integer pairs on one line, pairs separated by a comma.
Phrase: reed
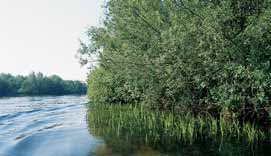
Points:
[[142, 126]]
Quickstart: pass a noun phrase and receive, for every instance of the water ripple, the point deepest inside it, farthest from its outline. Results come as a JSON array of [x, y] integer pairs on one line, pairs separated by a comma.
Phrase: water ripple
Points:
[[45, 126]]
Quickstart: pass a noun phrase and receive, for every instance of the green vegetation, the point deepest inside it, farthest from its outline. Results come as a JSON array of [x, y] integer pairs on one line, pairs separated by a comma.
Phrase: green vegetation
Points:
[[166, 127], [126, 128], [38, 84], [208, 58]]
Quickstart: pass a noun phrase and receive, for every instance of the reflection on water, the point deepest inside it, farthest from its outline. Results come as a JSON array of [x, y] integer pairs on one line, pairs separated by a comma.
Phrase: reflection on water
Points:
[[196, 149], [140, 151], [56, 126], [124, 136]]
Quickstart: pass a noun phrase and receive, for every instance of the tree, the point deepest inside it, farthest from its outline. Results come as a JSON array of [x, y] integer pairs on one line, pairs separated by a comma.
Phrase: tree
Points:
[[38, 84], [173, 55], [3, 88]]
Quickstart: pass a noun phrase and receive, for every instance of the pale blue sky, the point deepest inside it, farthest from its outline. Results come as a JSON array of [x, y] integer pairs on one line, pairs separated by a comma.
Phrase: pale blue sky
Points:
[[42, 35]]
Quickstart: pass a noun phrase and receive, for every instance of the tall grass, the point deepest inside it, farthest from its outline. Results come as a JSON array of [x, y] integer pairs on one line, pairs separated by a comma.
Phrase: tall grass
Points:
[[141, 126]]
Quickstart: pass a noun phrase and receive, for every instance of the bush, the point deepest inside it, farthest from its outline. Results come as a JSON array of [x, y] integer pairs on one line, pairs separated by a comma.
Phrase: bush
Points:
[[200, 56]]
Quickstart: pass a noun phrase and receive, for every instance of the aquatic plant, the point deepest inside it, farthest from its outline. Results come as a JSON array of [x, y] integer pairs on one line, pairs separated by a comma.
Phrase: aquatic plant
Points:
[[139, 125]]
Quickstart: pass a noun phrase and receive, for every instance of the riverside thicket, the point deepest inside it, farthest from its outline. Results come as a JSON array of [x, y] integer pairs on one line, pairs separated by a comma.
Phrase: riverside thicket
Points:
[[210, 59], [38, 84]]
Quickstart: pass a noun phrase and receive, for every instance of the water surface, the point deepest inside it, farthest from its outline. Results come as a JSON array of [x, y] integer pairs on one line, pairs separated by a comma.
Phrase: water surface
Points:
[[45, 126], [57, 126]]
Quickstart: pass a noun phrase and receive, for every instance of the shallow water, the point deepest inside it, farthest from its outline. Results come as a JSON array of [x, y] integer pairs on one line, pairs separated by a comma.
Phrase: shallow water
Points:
[[45, 126]]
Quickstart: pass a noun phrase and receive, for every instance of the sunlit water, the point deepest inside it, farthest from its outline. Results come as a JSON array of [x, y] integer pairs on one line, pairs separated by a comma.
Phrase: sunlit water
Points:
[[45, 126]]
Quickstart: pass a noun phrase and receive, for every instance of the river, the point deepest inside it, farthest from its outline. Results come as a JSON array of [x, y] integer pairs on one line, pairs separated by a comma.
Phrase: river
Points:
[[45, 126], [57, 126]]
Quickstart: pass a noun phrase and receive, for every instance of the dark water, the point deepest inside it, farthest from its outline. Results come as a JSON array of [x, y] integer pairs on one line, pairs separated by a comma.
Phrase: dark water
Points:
[[45, 126]]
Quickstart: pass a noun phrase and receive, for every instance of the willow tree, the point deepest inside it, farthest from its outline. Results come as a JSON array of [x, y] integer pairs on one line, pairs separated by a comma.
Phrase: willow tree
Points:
[[182, 54]]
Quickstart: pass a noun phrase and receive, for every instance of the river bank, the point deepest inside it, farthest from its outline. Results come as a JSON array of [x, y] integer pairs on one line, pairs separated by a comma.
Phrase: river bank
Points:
[[135, 127]]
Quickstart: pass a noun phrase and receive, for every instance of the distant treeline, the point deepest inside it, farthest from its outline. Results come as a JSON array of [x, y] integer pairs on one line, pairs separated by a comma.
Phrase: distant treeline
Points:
[[38, 84]]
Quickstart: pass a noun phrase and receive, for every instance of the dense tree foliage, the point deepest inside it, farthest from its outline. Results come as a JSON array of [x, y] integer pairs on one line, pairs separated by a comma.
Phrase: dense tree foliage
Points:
[[183, 54], [38, 84]]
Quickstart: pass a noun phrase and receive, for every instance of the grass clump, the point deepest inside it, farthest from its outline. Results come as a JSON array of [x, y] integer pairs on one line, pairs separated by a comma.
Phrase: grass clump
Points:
[[138, 125]]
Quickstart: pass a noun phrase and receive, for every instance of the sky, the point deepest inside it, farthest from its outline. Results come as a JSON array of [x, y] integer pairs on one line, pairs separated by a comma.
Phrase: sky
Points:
[[42, 35]]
